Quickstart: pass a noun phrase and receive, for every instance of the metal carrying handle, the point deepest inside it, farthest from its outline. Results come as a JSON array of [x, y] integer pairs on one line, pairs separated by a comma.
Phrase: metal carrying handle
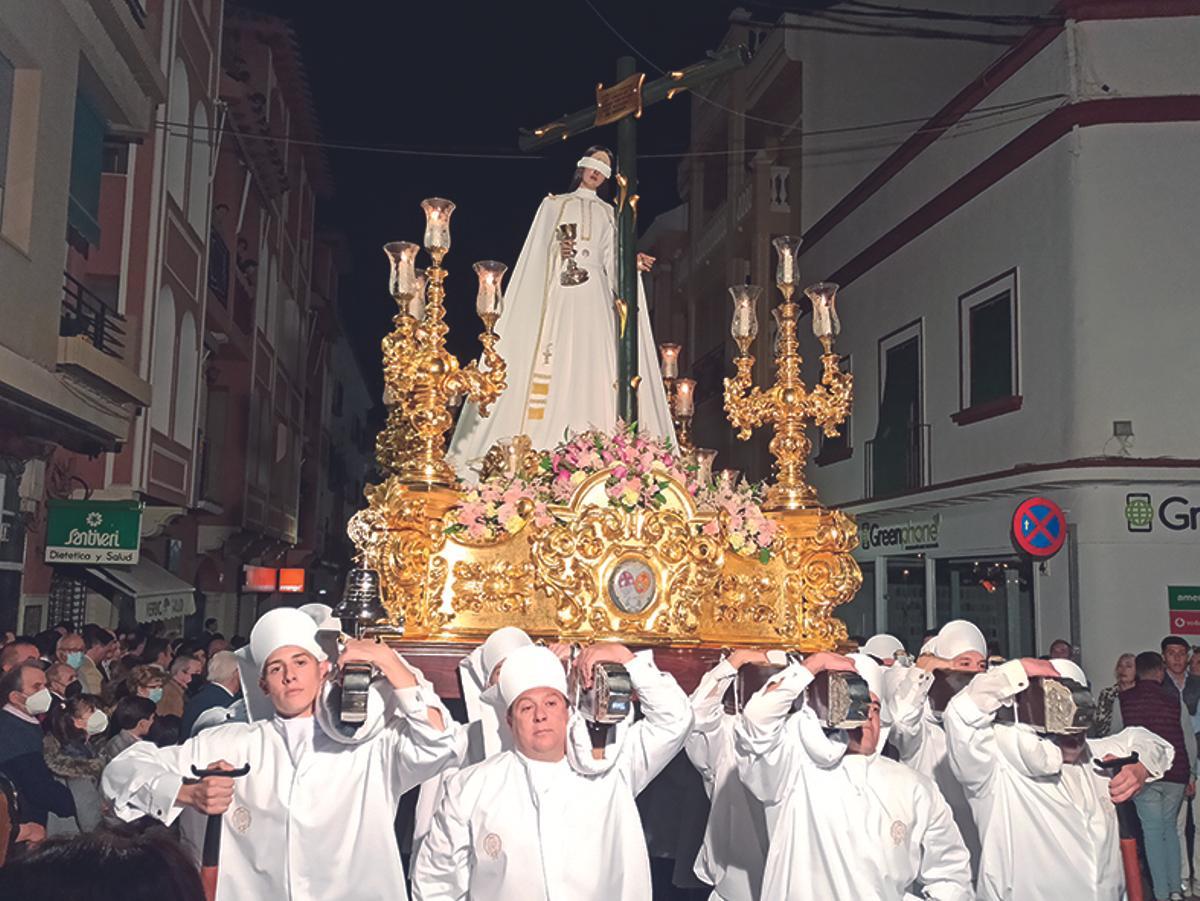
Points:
[[243, 770], [1117, 763], [1126, 814], [211, 852], [1127, 827]]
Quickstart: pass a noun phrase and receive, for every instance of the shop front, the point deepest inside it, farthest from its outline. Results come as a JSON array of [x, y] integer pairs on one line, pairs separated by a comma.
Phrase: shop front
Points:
[[921, 569], [100, 573], [1127, 573]]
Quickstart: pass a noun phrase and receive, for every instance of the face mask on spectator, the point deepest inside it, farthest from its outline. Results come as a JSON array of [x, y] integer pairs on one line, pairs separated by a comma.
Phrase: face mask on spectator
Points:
[[75, 659], [38, 702], [97, 722], [156, 694]]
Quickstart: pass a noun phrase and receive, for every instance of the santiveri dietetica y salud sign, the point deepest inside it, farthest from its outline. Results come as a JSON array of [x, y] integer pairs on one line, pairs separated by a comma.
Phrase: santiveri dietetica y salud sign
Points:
[[107, 532]]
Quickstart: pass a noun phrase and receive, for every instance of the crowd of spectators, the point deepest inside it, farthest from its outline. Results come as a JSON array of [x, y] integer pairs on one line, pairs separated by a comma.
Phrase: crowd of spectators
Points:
[[72, 699], [1160, 690]]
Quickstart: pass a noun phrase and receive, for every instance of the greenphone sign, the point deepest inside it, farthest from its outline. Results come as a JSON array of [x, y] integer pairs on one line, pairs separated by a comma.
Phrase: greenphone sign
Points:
[[912, 535], [93, 532]]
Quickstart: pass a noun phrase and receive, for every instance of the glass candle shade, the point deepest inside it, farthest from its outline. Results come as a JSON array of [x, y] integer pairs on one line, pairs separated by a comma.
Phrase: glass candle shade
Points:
[[777, 314], [745, 317], [728, 478], [402, 279], [669, 354], [786, 247], [704, 460], [416, 305], [824, 298], [489, 301], [437, 223], [515, 450], [685, 397]]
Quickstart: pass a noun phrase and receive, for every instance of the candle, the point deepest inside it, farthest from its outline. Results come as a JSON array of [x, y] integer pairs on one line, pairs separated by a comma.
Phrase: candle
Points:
[[402, 280], [824, 298], [416, 305], [437, 223], [669, 354], [704, 460], [786, 246], [489, 302], [685, 397], [745, 317]]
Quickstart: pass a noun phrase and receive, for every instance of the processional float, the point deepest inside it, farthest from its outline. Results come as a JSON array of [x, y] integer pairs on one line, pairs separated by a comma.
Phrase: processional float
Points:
[[608, 536]]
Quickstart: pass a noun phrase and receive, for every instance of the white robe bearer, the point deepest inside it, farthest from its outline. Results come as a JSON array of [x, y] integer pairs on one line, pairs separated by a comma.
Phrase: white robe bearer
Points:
[[313, 820], [559, 342], [920, 740], [736, 838], [861, 828], [1049, 830], [515, 829]]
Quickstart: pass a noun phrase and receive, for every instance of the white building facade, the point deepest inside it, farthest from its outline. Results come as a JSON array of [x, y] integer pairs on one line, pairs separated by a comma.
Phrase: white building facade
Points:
[[1019, 310]]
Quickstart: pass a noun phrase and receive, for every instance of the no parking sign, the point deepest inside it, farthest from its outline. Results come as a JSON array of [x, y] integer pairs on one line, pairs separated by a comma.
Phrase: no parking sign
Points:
[[1039, 527]]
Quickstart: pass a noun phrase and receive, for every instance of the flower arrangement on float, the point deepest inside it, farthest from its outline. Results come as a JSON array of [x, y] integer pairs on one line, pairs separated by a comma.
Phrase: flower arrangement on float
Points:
[[638, 470]]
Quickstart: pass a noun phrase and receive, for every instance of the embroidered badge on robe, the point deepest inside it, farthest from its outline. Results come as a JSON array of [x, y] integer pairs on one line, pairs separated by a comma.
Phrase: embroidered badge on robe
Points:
[[240, 819], [492, 846]]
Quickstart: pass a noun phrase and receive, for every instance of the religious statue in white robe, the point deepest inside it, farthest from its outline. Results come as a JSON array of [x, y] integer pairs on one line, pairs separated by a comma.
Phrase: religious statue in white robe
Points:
[[559, 340]]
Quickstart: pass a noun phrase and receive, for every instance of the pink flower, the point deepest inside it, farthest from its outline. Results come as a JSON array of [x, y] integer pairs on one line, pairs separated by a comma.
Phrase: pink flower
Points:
[[469, 512], [712, 528]]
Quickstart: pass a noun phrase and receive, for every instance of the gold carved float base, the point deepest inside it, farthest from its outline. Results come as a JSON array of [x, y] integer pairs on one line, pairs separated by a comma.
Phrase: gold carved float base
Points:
[[601, 572]]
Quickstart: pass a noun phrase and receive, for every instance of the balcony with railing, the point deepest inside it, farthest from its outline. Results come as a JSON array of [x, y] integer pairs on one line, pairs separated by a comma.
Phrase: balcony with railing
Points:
[[92, 345], [897, 461], [86, 314]]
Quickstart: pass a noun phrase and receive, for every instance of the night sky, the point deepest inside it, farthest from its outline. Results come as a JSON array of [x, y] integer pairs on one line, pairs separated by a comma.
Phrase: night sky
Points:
[[465, 77]]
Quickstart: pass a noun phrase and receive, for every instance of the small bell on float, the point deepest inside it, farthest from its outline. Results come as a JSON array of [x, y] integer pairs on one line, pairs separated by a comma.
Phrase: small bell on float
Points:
[[361, 610]]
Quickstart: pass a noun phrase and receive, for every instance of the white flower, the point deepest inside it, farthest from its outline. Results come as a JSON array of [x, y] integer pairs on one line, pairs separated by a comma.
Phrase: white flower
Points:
[[94, 520]]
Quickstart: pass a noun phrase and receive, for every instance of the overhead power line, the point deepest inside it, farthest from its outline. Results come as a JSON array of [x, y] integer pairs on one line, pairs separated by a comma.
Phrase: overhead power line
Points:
[[835, 26], [977, 120]]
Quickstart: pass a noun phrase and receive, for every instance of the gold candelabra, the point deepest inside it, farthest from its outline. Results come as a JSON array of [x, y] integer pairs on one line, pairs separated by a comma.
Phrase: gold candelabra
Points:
[[422, 380], [788, 405]]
